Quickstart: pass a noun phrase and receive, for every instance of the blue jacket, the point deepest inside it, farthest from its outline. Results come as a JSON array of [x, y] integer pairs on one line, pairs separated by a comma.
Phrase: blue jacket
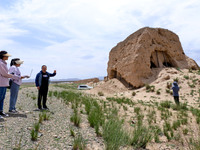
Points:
[[175, 89], [38, 79]]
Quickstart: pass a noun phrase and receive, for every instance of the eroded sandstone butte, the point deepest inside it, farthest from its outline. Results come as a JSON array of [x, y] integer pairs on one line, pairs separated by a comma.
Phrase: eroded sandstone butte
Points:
[[133, 59]]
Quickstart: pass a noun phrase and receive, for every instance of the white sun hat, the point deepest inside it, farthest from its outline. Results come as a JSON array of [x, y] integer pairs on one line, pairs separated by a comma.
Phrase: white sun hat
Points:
[[19, 62]]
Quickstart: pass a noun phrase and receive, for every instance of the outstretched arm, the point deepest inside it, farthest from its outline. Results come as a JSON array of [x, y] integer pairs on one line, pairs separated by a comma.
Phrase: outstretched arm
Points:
[[52, 74]]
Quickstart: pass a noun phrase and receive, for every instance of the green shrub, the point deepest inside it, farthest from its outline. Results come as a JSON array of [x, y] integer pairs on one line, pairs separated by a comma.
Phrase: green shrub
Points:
[[158, 92], [137, 110], [34, 135], [76, 119], [150, 88], [122, 100], [100, 94], [141, 136], [186, 77], [167, 128], [185, 131], [184, 121], [50, 93], [176, 124], [157, 131], [169, 91], [96, 116], [191, 85], [165, 104], [133, 93], [114, 134]]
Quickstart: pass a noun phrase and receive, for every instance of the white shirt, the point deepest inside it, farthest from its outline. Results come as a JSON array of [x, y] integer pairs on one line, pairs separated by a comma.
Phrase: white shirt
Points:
[[15, 71]]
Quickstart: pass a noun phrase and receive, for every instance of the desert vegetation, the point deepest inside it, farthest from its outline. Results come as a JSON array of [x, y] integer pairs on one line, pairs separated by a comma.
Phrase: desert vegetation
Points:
[[133, 119]]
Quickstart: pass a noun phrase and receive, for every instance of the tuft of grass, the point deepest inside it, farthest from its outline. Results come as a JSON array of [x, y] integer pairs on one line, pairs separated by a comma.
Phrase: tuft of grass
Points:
[[165, 104], [169, 91], [133, 93], [75, 118], [45, 115], [169, 85], [191, 85], [176, 124], [137, 110], [176, 79], [37, 127], [158, 92], [150, 88], [114, 134], [100, 94], [185, 131], [166, 129], [34, 131], [72, 133], [40, 118], [122, 100], [96, 118], [141, 137], [186, 77], [79, 143], [34, 135]]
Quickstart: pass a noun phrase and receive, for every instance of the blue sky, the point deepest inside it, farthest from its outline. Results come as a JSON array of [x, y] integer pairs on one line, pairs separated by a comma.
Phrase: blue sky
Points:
[[75, 36]]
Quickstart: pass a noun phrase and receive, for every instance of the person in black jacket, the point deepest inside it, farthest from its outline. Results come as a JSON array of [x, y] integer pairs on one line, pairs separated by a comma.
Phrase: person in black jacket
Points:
[[42, 84]]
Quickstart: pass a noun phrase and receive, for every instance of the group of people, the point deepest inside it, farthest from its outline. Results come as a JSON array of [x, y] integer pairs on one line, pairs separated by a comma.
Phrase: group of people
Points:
[[12, 78]]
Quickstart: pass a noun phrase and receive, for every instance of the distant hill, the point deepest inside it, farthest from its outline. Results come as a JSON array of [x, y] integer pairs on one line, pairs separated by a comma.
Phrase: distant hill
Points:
[[61, 80]]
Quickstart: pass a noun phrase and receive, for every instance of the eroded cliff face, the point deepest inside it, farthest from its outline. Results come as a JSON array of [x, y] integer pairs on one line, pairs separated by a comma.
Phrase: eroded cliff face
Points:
[[132, 60]]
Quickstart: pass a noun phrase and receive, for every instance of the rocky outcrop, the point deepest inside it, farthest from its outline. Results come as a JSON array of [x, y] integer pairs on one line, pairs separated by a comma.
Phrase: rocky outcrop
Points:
[[133, 59]]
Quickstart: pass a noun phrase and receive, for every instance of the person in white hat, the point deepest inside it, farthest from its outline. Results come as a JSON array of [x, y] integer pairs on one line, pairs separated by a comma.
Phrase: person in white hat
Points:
[[15, 83], [4, 80]]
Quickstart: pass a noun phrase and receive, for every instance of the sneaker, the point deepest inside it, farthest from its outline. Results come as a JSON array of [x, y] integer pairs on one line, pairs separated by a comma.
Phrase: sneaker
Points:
[[1, 117], [13, 111], [3, 114], [46, 108]]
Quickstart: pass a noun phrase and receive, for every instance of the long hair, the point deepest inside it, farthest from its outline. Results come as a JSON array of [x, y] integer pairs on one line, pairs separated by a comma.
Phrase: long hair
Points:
[[13, 61]]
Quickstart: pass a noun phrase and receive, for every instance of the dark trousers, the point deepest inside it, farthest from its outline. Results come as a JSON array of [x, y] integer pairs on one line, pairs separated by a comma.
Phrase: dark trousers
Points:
[[176, 99], [42, 94]]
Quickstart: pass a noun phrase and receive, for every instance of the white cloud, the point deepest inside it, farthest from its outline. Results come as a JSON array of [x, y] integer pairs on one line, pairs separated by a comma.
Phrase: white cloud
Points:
[[76, 36]]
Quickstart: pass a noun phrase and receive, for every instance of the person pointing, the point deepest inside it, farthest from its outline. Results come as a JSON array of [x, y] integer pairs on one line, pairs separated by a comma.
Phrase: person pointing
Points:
[[42, 84]]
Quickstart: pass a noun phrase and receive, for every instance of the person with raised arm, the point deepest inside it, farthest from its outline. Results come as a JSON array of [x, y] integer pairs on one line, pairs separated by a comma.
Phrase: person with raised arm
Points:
[[42, 84]]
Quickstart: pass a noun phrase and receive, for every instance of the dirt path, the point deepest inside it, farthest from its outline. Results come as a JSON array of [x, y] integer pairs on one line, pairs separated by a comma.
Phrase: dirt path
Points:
[[53, 134]]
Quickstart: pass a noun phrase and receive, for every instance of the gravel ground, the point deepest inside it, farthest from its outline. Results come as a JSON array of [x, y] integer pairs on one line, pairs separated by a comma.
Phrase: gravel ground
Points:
[[53, 134]]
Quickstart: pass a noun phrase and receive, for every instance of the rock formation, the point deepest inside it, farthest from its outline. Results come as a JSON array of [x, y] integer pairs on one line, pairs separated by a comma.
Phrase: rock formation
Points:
[[133, 59]]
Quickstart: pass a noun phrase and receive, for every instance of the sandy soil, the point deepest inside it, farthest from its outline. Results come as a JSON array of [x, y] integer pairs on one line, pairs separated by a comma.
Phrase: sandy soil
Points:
[[55, 133]]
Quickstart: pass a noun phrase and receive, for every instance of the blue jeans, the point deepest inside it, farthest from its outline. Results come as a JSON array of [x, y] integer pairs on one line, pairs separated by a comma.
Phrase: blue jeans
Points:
[[14, 89], [2, 97]]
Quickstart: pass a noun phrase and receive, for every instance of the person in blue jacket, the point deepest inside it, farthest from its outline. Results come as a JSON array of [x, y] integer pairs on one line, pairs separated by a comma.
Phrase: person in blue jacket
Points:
[[175, 89], [42, 84]]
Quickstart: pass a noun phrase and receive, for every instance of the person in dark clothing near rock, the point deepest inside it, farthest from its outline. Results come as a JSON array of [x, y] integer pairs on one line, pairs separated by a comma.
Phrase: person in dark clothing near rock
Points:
[[175, 89], [42, 84]]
